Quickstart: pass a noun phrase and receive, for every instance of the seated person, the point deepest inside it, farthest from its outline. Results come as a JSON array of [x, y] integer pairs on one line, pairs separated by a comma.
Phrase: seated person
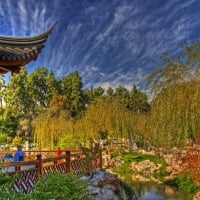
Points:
[[19, 155]]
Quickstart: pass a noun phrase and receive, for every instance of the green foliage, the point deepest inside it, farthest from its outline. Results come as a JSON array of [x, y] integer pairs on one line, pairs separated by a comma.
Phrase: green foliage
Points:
[[5, 192], [42, 86], [91, 153], [59, 186], [68, 141], [10, 122], [16, 94], [186, 184], [17, 140], [54, 186], [5, 179], [47, 104], [98, 92], [3, 138], [138, 101], [71, 87], [174, 119], [50, 126], [122, 95], [174, 86]]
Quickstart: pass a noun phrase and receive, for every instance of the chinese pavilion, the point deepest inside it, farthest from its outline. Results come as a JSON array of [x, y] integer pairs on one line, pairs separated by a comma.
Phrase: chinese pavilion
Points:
[[16, 52]]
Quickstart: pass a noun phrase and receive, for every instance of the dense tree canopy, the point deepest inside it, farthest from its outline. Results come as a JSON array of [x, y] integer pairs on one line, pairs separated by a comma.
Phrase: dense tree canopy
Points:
[[52, 106]]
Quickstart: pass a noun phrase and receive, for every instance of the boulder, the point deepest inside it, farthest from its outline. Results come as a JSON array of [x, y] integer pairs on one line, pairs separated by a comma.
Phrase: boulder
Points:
[[170, 191], [103, 185]]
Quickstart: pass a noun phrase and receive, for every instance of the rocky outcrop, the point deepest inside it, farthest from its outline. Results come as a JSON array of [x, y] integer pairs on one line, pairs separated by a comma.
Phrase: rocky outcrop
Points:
[[109, 162], [144, 170], [146, 167], [176, 165], [103, 185]]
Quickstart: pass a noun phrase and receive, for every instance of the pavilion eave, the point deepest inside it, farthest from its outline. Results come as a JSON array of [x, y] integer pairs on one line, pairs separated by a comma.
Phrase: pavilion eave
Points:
[[16, 52]]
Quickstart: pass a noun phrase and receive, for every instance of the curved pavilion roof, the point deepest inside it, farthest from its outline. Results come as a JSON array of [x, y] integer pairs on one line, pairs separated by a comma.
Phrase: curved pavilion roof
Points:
[[16, 52]]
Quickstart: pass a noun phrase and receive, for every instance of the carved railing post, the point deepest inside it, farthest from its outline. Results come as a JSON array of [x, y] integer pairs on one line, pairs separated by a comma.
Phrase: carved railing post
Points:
[[40, 170], [68, 161]]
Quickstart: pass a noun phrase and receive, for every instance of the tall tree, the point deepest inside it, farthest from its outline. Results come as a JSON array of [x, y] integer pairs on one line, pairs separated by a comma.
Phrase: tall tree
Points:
[[42, 86], [110, 93], [122, 95], [17, 96], [71, 87], [175, 105], [138, 101], [98, 92]]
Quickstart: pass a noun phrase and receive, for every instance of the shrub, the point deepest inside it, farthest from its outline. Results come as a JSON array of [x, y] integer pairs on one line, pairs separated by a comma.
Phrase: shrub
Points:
[[59, 186], [186, 184], [54, 186], [5, 192]]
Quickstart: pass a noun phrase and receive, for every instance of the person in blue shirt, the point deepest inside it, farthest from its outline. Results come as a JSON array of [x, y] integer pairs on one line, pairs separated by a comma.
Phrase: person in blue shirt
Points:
[[19, 155]]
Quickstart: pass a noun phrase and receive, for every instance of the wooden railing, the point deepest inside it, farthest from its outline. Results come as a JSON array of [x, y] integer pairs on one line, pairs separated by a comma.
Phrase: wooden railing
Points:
[[28, 172]]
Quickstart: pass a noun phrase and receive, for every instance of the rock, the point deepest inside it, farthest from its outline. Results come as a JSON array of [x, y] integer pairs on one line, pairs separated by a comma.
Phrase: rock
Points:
[[109, 162], [174, 169], [169, 191], [146, 167], [133, 165], [170, 177], [141, 178], [197, 196], [103, 185]]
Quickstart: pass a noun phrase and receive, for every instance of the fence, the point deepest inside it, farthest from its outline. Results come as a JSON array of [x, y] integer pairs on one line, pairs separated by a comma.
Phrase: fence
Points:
[[28, 172]]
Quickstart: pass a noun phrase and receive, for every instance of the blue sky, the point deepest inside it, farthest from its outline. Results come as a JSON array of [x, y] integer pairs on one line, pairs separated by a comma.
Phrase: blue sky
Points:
[[106, 41]]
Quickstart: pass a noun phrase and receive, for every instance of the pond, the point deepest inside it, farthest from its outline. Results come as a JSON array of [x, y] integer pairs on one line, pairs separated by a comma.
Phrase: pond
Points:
[[152, 191]]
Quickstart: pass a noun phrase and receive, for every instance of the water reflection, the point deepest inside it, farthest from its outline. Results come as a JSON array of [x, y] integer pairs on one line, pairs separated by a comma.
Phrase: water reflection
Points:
[[150, 191], [154, 194]]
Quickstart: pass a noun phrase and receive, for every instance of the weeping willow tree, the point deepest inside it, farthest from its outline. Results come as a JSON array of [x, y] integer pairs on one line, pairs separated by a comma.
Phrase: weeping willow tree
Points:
[[175, 113], [53, 128], [104, 115], [50, 124], [48, 128]]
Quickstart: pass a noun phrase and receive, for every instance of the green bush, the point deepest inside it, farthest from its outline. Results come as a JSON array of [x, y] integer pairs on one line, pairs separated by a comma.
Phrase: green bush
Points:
[[54, 186], [186, 184], [4, 179], [59, 186], [3, 138], [5, 192]]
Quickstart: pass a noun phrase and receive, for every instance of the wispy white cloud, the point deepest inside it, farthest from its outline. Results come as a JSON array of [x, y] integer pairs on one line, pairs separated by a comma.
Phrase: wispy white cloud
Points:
[[11, 17], [105, 41], [125, 79]]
